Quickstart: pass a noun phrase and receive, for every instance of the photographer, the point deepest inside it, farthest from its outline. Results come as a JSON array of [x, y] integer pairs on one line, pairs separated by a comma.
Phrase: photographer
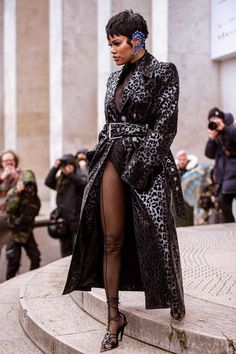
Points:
[[221, 146], [23, 206], [69, 184], [9, 175]]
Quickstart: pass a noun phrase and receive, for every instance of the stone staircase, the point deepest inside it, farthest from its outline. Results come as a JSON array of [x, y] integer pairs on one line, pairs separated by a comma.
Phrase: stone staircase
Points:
[[57, 324], [36, 318]]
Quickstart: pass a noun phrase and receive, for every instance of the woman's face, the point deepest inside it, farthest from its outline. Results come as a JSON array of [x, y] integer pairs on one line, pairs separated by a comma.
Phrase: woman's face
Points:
[[121, 51]]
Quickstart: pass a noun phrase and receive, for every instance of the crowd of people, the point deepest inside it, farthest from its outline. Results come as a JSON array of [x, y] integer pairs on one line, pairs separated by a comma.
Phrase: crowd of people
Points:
[[20, 204], [209, 190]]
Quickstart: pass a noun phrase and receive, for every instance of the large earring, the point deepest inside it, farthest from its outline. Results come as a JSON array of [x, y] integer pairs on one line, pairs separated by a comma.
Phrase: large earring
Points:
[[138, 47]]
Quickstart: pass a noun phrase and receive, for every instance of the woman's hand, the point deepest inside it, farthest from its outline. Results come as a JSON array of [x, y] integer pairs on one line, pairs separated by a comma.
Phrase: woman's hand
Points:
[[57, 163]]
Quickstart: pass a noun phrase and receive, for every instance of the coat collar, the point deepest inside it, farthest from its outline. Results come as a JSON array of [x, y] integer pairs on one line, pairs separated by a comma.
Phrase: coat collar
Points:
[[143, 68], [147, 65]]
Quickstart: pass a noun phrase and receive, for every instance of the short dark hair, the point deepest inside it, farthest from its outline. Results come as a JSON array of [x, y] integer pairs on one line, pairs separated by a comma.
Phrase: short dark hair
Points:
[[125, 23]]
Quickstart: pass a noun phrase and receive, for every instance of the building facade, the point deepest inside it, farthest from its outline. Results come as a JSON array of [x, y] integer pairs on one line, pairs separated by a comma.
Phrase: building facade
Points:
[[54, 63]]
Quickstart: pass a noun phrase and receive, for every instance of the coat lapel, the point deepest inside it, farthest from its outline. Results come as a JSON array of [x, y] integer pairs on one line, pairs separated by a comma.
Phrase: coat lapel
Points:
[[144, 70], [111, 90]]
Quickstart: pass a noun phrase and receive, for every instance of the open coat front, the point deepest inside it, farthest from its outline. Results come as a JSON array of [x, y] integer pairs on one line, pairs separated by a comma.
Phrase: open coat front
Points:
[[151, 260]]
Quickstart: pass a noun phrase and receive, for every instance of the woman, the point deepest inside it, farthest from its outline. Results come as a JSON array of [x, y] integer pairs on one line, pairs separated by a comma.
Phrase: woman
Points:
[[126, 222]]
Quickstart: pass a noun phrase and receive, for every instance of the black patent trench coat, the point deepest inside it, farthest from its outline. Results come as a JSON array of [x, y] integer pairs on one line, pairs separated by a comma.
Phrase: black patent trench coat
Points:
[[151, 260]]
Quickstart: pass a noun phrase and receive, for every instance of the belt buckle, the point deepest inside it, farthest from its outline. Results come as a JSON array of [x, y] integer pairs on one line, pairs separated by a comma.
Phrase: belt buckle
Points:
[[110, 132]]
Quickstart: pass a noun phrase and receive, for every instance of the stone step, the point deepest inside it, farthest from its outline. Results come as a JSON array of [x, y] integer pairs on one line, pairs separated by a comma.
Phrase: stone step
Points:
[[73, 323], [56, 324], [13, 339], [208, 328]]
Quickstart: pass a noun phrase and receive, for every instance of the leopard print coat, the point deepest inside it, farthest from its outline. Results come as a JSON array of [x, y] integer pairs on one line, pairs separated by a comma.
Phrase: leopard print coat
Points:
[[151, 260]]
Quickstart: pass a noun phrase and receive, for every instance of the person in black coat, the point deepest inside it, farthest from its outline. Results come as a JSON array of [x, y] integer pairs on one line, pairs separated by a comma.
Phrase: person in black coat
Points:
[[69, 185], [126, 237], [221, 146]]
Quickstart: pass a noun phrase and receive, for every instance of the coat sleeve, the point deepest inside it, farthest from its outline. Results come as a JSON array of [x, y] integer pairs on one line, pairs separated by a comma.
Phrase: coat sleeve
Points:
[[230, 131], [79, 180], [51, 180], [211, 149], [12, 201], [150, 154]]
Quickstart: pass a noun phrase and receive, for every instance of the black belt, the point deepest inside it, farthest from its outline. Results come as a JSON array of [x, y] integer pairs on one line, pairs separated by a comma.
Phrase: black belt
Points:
[[122, 130]]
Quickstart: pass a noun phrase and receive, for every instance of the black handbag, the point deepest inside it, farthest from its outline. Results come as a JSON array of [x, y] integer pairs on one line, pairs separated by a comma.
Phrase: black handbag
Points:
[[58, 226]]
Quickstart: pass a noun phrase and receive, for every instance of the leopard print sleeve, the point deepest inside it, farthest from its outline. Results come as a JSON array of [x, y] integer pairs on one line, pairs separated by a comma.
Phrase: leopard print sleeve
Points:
[[159, 139]]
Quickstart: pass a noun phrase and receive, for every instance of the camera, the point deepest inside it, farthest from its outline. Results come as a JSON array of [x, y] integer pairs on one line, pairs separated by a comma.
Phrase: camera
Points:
[[212, 126], [28, 186], [63, 163]]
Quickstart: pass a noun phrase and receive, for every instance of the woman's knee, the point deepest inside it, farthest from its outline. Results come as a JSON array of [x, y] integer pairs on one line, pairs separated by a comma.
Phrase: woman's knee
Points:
[[113, 243]]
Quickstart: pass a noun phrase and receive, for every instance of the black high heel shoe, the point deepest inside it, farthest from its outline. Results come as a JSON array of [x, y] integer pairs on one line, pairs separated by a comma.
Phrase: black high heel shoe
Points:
[[111, 340]]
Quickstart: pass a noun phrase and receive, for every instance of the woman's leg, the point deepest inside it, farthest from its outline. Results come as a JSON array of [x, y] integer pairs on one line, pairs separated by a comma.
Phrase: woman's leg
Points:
[[112, 206]]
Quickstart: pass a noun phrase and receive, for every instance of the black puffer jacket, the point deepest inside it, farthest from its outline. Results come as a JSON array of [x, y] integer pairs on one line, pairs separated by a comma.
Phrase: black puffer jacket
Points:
[[69, 192], [223, 150]]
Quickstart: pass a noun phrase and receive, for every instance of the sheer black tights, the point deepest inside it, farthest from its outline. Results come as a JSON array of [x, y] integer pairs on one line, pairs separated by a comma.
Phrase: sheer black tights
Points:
[[112, 207]]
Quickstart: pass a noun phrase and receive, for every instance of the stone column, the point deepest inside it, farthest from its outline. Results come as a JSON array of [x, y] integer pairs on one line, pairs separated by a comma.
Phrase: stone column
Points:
[[79, 74], [103, 57], [9, 75], [33, 87], [56, 80], [160, 29]]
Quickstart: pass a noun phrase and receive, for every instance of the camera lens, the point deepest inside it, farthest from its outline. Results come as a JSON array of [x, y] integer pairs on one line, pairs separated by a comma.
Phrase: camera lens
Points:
[[212, 126]]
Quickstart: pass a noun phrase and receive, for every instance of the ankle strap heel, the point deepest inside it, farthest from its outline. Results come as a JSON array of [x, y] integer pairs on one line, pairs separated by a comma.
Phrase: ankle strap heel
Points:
[[111, 340]]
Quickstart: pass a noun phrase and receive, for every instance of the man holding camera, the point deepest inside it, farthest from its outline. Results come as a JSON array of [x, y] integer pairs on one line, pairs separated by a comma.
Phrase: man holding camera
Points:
[[221, 146], [69, 184], [22, 206]]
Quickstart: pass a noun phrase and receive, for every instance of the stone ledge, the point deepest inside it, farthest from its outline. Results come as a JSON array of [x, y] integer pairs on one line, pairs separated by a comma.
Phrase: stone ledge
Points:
[[72, 323], [13, 339], [207, 328], [56, 324]]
